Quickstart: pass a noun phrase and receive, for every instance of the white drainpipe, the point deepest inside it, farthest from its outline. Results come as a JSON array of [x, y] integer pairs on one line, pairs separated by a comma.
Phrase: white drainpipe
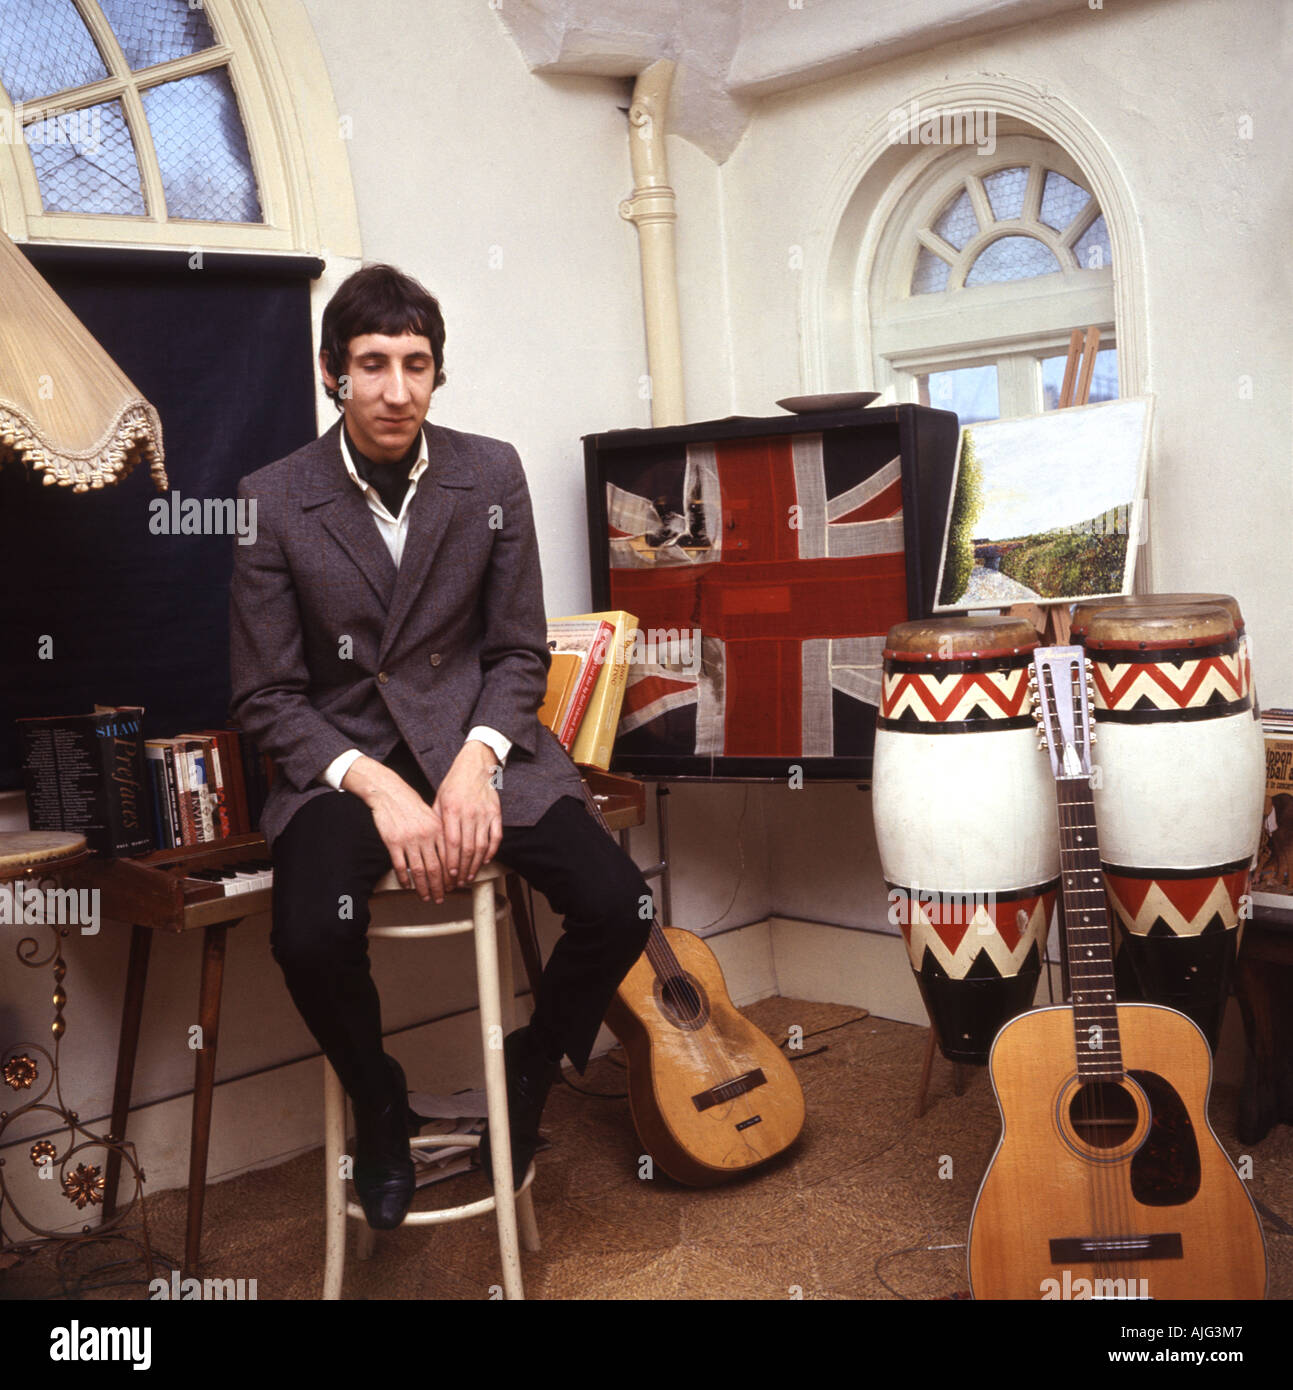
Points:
[[651, 209]]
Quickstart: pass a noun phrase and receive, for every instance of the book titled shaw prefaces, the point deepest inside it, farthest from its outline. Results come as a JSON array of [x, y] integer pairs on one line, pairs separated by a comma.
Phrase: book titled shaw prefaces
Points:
[[85, 773]]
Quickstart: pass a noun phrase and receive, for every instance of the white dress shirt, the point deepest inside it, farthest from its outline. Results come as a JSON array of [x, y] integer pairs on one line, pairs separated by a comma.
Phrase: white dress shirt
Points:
[[394, 531]]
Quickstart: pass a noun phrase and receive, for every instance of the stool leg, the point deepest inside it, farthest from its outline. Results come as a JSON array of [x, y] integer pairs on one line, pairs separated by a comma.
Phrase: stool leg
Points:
[[506, 986], [334, 1186], [491, 1030]]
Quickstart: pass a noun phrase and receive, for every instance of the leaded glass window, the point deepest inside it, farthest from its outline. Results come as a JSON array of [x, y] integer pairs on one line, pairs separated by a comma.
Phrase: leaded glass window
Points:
[[985, 269], [45, 48], [155, 31], [201, 148], [95, 170], [985, 232], [1012, 258], [159, 134]]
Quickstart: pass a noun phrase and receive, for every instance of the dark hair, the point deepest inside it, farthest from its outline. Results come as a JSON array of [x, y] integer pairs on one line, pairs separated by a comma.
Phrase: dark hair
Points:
[[379, 299]]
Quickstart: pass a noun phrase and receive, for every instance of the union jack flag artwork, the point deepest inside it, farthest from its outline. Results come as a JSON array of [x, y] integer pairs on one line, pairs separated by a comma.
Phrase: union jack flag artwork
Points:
[[764, 573]]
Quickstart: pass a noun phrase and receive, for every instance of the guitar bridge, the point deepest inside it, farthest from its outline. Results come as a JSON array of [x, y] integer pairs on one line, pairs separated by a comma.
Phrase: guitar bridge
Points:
[[1093, 1249], [729, 1090]]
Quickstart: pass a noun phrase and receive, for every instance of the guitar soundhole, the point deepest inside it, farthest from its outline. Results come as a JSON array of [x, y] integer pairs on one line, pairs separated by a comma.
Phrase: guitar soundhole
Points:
[[1103, 1114], [682, 1001]]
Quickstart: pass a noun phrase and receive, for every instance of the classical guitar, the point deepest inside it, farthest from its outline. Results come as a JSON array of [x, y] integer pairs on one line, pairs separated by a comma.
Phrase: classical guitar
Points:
[[711, 1095], [1108, 1180]]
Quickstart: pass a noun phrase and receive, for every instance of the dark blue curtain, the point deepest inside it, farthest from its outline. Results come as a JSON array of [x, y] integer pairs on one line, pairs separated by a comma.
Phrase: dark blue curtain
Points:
[[224, 353]]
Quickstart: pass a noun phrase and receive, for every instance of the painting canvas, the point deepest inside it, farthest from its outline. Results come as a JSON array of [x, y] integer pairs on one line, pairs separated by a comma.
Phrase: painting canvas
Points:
[[1046, 509]]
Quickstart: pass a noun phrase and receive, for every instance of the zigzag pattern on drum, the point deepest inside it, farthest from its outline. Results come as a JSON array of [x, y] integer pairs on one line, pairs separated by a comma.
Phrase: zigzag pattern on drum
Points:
[[1001, 929], [972, 695], [1177, 906], [1190, 684]]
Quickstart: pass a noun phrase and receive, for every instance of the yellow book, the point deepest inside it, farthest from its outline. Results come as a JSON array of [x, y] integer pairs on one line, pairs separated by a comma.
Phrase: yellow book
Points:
[[596, 735], [563, 676]]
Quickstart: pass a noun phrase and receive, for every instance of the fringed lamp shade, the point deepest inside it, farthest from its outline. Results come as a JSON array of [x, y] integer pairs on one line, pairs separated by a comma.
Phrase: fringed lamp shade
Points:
[[66, 409]]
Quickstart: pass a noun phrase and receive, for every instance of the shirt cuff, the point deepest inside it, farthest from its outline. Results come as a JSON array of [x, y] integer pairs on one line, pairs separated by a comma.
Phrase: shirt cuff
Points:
[[336, 770], [498, 743]]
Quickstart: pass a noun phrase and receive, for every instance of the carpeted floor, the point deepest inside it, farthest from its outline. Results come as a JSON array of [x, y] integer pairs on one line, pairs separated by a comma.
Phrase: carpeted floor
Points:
[[872, 1203]]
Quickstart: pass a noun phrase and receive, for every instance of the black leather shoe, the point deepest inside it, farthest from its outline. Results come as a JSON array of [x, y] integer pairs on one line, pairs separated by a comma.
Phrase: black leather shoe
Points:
[[530, 1074], [384, 1178]]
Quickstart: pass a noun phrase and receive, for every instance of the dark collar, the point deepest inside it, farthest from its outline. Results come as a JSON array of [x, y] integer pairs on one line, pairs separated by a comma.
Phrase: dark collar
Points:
[[371, 471]]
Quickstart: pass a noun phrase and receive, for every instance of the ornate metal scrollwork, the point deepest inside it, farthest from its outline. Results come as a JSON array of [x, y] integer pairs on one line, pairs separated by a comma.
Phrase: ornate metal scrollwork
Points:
[[63, 1150]]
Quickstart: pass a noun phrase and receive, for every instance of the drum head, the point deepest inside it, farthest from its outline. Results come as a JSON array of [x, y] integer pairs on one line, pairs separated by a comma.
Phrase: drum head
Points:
[[934, 639], [1084, 612], [23, 850], [1172, 625]]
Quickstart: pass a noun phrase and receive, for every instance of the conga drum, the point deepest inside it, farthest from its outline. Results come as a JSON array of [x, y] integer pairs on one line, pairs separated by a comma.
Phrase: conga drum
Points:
[[965, 821], [1083, 613], [1178, 800]]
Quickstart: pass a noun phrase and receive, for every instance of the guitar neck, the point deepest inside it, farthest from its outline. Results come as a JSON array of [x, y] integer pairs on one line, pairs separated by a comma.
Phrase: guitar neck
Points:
[[658, 950], [1064, 718], [1088, 943]]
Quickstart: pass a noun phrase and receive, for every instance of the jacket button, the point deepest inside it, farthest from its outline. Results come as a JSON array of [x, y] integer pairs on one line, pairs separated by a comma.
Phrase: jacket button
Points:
[[435, 658], [382, 678]]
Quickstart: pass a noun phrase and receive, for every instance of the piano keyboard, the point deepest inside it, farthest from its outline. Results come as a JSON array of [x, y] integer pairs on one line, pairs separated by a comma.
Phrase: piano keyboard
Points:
[[224, 881]]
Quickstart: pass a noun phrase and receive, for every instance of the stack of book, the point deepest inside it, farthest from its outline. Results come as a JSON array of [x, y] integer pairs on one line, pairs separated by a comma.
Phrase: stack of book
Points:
[[586, 682], [1278, 722], [96, 775], [206, 786], [1272, 880]]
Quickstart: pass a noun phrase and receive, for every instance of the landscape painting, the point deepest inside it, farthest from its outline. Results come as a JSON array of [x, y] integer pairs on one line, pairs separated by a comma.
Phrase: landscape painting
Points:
[[1047, 509]]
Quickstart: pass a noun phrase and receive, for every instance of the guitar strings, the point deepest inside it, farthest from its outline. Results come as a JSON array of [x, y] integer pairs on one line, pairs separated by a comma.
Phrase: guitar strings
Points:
[[1077, 975], [1106, 1185]]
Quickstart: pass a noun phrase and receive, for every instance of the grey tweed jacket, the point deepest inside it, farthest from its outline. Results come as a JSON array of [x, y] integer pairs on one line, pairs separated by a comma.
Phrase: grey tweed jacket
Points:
[[332, 648]]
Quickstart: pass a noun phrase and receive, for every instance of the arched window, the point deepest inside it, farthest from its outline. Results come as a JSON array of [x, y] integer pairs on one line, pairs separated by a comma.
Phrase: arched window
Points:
[[167, 123], [985, 267]]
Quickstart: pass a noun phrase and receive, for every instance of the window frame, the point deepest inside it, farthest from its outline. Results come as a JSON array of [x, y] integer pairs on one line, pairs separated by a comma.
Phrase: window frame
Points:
[[285, 102], [1012, 324]]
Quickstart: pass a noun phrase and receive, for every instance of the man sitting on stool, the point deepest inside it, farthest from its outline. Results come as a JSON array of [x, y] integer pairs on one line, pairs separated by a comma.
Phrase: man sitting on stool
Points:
[[388, 647]]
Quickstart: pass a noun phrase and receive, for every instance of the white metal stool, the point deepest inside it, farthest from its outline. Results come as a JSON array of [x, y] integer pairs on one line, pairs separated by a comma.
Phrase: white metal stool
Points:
[[493, 987]]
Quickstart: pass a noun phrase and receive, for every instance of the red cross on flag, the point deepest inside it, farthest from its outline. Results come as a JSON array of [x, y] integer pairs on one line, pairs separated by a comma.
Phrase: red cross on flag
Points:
[[765, 574]]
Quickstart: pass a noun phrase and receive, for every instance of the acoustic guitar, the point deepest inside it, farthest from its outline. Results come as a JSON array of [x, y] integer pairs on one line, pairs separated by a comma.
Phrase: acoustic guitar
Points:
[[1108, 1181], [711, 1095]]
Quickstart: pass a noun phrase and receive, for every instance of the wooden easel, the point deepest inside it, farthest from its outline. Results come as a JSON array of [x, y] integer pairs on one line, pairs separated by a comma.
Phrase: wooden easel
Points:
[[1052, 623]]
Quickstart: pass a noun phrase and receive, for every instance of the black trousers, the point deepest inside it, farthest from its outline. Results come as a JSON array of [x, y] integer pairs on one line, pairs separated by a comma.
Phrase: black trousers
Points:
[[330, 855]]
